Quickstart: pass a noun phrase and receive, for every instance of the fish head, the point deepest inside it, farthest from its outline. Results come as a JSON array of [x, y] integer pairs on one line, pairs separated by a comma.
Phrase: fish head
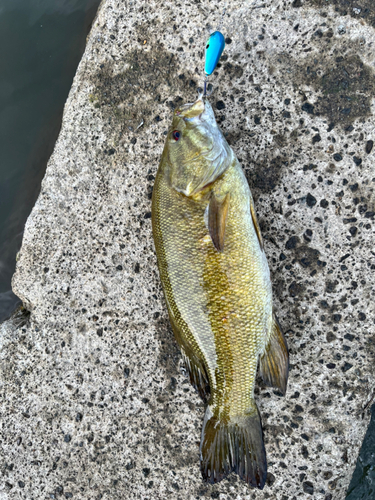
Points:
[[196, 150]]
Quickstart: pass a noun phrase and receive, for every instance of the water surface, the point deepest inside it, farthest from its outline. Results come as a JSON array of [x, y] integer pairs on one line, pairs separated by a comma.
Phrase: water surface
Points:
[[362, 485], [42, 42]]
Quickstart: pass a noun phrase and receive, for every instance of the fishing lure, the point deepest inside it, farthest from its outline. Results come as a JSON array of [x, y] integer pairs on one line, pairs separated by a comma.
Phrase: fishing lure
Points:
[[214, 48]]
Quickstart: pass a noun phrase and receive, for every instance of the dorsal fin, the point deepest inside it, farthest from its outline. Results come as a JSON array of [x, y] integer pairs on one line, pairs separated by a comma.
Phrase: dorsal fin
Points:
[[256, 223], [274, 362], [217, 217]]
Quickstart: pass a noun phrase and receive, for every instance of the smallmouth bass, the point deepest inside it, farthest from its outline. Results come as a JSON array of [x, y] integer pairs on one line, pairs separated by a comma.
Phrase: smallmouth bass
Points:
[[217, 287]]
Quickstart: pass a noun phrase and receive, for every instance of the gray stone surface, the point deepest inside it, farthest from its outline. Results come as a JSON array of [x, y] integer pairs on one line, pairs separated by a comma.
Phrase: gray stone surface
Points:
[[93, 401]]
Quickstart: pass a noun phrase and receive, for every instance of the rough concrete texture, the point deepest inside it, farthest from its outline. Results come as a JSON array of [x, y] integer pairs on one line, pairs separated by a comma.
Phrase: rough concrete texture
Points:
[[94, 403]]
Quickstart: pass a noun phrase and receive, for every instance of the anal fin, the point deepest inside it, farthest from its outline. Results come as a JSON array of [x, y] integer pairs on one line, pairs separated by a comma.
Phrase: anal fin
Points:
[[274, 362], [198, 376], [194, 366]]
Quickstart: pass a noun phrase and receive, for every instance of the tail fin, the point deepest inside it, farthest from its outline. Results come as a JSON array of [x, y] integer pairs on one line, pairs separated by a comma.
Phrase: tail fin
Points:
[[234, 446]]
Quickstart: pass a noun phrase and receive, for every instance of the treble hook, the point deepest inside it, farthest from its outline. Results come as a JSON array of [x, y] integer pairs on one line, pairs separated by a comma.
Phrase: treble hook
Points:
[[207, 88]]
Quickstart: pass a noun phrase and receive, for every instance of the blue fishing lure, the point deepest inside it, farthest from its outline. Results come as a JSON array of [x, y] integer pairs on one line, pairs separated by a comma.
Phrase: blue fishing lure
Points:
[[214, 48]]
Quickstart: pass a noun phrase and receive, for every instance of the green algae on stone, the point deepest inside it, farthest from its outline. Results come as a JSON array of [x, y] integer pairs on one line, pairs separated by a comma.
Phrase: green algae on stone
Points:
[[149, 77], [363, 10], [347, 86], [264, 176], [343, 83]]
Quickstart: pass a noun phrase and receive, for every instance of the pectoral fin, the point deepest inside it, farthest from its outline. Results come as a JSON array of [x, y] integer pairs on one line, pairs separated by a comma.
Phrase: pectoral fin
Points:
[[256, 224], [217, 217], [274, 363]]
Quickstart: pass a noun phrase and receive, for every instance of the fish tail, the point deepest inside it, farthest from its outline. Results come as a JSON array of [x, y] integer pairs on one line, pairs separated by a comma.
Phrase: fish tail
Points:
[[234, 446]]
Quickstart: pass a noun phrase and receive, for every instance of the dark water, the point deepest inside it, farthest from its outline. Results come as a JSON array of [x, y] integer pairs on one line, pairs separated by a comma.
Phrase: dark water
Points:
[[41, 44], [362, 486]]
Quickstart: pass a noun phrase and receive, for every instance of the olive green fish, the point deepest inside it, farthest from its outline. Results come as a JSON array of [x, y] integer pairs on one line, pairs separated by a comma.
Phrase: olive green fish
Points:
[[217, 287]]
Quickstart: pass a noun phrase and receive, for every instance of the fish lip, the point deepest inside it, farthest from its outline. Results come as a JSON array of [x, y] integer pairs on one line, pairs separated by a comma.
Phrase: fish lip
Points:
[[185, 110]]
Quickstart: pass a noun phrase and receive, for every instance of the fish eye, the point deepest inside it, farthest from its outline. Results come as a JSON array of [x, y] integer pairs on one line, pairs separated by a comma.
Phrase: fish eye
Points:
[[207, 46], [176, 135]]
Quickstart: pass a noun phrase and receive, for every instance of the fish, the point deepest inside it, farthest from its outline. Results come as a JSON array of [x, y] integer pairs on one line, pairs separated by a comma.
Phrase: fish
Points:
[[217, 288]]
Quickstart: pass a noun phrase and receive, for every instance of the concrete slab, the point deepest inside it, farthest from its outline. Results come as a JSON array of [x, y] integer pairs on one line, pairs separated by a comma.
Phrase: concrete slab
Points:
[[94, 404]]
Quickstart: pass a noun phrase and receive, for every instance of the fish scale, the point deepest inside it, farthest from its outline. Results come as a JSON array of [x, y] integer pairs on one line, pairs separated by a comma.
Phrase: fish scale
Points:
[[217, 287]]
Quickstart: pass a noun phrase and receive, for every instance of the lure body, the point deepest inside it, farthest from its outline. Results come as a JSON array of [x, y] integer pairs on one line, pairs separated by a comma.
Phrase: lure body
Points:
[[217, 287], [214, 48]]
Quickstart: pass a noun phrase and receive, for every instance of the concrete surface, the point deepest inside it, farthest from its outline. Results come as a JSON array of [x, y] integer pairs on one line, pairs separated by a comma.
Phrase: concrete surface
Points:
[[93, 401]]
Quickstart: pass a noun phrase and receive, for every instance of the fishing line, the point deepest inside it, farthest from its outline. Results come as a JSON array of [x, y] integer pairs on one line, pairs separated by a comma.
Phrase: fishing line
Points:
[[214, 48]]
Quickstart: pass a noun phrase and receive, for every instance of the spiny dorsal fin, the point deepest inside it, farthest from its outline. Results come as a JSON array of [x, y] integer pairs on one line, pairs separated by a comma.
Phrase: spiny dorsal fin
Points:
[[217, 217], [274, 362], [256, 224]]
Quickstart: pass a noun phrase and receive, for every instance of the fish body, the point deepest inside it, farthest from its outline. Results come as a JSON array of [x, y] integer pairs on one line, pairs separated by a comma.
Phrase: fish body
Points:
[[217, 288]]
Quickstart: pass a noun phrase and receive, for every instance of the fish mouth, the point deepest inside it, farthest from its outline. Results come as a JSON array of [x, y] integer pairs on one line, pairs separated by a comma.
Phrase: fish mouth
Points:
[[191, 110]]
